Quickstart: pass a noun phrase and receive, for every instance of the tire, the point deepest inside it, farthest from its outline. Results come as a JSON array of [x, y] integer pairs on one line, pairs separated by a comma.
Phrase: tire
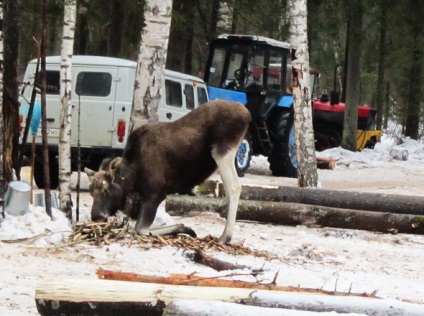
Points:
[[244, 156], [54, 173], [282, 158]]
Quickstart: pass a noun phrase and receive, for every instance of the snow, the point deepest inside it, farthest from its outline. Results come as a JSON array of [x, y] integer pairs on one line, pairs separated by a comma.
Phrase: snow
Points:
[[390, 266]]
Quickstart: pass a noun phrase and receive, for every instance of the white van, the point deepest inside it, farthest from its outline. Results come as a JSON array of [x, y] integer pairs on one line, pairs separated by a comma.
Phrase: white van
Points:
[[102, 94]]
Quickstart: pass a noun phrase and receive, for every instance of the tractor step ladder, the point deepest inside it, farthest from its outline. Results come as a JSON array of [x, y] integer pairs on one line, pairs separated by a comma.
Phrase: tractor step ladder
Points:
[[262, 132]]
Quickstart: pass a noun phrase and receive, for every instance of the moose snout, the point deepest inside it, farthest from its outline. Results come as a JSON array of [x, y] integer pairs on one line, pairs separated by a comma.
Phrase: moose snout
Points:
[[98, 217]]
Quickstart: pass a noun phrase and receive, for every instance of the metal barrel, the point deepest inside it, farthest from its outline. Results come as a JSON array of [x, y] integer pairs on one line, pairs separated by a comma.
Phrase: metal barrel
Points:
[[17, 198]]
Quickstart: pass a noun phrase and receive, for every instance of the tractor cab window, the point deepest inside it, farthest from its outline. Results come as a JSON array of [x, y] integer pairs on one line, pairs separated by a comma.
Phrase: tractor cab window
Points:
[[237, 67], [276, 63]]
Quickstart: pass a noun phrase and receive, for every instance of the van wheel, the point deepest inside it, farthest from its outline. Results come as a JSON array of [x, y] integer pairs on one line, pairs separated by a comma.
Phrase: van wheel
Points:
[[54, 173], [244, 156]]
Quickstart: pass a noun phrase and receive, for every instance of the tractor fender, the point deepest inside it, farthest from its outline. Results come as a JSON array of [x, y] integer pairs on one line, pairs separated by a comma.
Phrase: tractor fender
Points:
[[286, 101]]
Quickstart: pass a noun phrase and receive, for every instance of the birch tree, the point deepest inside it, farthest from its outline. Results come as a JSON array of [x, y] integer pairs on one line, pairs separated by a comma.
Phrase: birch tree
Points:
[[304, 132], [65, 170], [151, 62]]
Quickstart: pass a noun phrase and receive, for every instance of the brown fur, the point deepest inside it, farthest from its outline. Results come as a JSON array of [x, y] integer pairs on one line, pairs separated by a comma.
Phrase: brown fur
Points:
[[166, 158]]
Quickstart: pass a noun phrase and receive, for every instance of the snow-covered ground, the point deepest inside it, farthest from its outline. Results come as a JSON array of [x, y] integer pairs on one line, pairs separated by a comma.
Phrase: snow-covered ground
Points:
[[332, 259]]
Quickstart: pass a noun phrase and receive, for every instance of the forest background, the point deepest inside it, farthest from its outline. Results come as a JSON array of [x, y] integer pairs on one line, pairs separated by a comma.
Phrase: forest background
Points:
[[391, 56]]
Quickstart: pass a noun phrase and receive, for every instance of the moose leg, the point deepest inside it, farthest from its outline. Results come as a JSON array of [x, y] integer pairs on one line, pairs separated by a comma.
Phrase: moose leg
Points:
[[232, 187], [147, 215]]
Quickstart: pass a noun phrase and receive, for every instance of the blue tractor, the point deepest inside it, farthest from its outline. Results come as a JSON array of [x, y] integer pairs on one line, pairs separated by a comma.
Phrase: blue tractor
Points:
[[257, 71]]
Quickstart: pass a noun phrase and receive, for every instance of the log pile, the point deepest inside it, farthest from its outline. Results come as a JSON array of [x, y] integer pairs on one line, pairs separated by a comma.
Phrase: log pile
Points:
[[387, 213]]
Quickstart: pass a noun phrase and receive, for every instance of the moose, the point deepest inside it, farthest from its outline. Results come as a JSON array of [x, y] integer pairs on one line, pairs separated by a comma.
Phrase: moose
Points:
[[172, 157]]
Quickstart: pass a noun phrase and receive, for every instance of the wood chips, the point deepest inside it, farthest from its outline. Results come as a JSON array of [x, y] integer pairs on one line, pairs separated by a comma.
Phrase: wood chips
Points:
[[106, 233]]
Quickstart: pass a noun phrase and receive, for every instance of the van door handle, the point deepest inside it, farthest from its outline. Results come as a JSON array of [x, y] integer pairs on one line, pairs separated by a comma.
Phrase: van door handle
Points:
[[50, 119], [169, 115]]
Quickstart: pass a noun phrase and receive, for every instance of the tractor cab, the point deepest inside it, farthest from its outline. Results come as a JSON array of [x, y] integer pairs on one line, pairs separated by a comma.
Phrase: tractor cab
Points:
[[253, 70]]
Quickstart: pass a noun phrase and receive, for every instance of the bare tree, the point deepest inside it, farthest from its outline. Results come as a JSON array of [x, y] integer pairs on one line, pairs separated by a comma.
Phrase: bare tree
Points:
[[48, 201], [10, 88], [307, 170], [151, 62], [353, 77], [2, 182], [65, 170]]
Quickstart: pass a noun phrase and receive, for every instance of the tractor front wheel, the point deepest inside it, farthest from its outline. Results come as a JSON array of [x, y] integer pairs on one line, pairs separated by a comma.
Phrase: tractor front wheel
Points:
[[282, 158], [244, 156]]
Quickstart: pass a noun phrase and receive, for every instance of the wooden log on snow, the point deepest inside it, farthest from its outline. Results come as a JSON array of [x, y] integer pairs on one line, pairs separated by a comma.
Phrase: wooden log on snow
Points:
[[376, 202], [300, 214], [102, 297], [326, 163]]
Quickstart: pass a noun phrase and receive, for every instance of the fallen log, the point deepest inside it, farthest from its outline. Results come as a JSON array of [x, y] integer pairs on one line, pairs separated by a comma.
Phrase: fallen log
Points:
[[194, 280], [375, 202], [294, 214], [326, 163], [202, 257], [88, 297]]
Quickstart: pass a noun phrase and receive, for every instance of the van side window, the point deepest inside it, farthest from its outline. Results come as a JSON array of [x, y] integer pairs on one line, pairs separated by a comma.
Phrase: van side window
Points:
[[52, 82], [173, 93], [189, 96], [95, 84], [202, 97]]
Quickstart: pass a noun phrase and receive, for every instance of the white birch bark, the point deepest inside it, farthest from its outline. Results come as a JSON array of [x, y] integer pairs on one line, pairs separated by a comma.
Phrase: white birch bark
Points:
[[225, 15], [151, 62], [66, 109], [307, 170]]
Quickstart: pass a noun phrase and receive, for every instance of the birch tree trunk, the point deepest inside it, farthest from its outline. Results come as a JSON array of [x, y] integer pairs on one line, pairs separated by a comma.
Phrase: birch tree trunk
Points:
[[65, 170], [304, 132], [151, 62], [2, 182], [225, 17]]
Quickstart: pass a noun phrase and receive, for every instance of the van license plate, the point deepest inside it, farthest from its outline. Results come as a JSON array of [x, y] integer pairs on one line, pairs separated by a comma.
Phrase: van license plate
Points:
[[51, 132]]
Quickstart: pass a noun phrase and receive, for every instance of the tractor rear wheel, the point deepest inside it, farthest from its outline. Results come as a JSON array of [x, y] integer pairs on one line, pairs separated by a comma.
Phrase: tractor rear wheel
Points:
[[282, 158]]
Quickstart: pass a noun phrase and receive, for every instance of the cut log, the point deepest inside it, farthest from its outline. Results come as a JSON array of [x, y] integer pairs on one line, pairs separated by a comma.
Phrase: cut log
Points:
[[300, 214], [376, 202], [86, 297], [208, 308], [326, 163]]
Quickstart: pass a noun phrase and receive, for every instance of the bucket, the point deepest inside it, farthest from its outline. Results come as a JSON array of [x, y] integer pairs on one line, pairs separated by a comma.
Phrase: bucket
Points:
[[40, 200], [17, 198]]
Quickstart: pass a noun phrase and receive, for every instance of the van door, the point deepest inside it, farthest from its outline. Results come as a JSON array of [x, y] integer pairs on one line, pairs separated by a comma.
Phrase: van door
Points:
[[94, 97], [177, 100]]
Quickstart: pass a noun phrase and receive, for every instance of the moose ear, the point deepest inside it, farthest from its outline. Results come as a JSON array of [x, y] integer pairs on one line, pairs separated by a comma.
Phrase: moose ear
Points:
[[90, 173], [115, 166]]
